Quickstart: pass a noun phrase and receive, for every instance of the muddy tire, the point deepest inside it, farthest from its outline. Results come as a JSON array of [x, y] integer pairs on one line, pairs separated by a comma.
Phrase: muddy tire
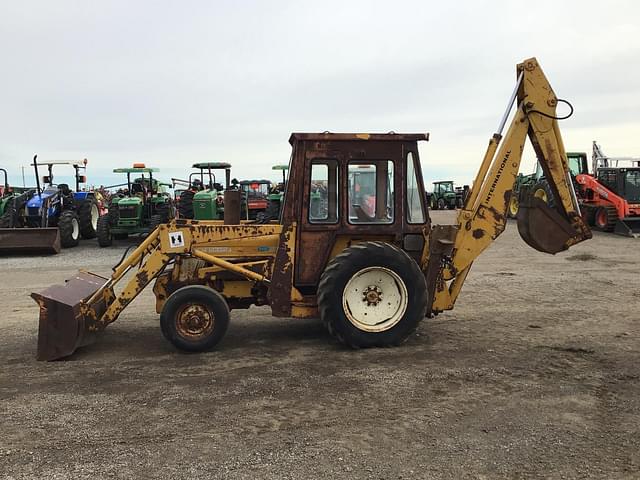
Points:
[[88, 216], [194, 318], [372, 295], [103, 231], [605, 219], [69, 226], [185, 207]]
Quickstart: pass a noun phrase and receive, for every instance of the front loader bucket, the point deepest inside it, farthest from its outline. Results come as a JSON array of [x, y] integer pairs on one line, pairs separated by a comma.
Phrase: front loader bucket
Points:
[[66, 320], [544, 229], [30, 240], [629, 227]]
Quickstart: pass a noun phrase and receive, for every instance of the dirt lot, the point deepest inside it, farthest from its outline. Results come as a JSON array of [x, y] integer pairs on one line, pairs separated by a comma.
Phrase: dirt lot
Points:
[[534, 374]]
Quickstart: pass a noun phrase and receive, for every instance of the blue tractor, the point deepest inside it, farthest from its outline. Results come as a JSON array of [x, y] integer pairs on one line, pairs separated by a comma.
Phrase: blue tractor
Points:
[[52, 215]]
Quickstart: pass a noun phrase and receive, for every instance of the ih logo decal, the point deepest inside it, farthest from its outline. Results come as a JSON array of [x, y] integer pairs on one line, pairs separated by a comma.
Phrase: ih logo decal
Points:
[[176, 239]]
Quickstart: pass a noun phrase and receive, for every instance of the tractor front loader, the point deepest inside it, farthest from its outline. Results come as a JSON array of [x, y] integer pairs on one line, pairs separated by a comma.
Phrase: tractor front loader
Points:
[[364, 258]]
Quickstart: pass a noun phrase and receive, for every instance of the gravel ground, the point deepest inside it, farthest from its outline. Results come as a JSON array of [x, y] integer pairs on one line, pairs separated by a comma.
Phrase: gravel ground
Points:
[[533, 375]]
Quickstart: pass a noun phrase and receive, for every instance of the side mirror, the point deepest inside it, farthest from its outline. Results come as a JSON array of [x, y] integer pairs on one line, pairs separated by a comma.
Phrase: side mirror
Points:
[[82, 178], [46, 179]]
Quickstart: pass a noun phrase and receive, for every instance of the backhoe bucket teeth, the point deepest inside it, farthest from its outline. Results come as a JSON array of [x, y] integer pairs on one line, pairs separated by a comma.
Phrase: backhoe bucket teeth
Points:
[[544, 229], [629, 227], [30, 240], [66, 320]]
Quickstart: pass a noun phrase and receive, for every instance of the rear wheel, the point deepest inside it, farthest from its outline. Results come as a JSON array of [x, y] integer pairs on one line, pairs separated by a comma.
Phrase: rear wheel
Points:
[[542, 190], [606, 218], [194, 318], [589, 215], [69, 227], [372, 295], [433, 203], [514, 205], [88, 215], [185, 206], [154, 222], [103, 231]]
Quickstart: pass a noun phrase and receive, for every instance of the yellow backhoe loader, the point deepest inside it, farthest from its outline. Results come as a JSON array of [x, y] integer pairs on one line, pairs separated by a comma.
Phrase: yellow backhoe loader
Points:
[[354, 244]]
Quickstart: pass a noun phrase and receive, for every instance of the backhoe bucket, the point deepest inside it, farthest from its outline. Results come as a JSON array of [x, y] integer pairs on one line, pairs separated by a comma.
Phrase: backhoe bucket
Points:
[[629, 227], [66, 320], [30, 240], [544, 229]]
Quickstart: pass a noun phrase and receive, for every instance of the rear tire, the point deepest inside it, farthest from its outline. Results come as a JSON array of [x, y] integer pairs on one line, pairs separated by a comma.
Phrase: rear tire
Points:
[[606, 218], [88, 215], [372, 295], [154, 222], [542, 190], [514, 205], [589, 215], [105, 238], [194, 318], [185, 206], [69, 227]]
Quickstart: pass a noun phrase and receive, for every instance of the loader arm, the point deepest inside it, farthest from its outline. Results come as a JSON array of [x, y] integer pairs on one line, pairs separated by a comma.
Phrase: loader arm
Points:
[[484, 218]]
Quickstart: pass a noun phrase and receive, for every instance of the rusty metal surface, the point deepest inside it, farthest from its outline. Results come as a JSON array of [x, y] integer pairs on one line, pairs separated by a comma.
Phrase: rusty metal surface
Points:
[[317, 240], [380, 137], [30, 240], [544, 229], [64, 325]]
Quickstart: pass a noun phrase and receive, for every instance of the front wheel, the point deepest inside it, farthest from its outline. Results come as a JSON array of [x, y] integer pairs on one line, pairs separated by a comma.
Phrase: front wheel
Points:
[[372, 295], [105, 238], [194, 318], [69, 227], [88, 215], [606, 218]]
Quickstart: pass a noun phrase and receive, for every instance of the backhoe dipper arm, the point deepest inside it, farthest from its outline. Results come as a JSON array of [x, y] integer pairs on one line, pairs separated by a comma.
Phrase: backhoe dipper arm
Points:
[[483, 218]]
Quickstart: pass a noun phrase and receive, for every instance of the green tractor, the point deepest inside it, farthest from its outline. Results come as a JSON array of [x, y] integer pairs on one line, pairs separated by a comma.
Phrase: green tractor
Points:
[[203, 198], [444, 195], [536, 184], [138, 209]]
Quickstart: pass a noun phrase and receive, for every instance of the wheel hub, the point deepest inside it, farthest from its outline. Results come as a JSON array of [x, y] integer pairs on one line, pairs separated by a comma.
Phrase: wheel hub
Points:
[[375, 299], [372, 295], [194, 321]]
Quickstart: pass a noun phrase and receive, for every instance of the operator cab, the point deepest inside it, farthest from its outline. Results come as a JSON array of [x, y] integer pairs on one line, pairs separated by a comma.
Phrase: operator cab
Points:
[[354, 185]]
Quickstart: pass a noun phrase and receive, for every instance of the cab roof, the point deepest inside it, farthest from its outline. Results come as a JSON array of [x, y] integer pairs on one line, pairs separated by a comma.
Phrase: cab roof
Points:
[[389, 137], [135, 170], [247, 182], [212, 165], [59, 162]]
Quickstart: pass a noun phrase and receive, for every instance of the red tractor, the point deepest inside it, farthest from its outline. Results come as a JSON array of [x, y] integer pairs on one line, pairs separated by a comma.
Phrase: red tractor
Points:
[[610, 198]]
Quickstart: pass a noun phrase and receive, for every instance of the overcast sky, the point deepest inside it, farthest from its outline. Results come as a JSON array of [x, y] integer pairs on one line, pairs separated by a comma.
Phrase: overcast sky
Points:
[[173, 83]]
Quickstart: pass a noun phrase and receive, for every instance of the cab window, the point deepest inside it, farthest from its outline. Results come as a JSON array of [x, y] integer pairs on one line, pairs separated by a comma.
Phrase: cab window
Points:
[[370, 192], [415, 212], [323, 193]]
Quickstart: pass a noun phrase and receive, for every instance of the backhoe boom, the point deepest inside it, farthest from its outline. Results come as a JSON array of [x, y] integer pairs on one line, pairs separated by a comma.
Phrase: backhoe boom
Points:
[[484, 215]]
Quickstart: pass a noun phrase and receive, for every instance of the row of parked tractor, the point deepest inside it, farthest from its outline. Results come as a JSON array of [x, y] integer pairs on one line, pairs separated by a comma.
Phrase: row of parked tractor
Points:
[[51, 216], [608, 193]]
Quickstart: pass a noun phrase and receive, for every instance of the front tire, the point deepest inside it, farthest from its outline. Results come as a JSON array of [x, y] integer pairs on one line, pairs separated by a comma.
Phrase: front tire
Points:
[[606, 218], [194, 318], [69, 227], [105, 238], [88, 215], [372, 295]]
